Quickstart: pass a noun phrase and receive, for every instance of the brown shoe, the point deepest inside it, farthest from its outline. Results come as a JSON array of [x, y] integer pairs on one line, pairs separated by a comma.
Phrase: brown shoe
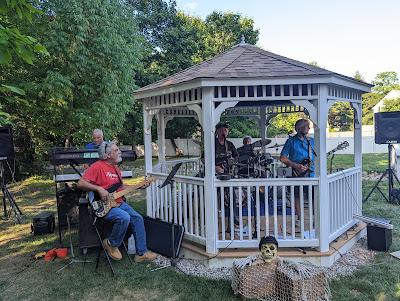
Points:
[[113, 252], [146, 256]]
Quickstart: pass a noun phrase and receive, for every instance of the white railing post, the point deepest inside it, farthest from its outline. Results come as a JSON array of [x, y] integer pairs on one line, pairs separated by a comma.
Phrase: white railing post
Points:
[[209, 155]]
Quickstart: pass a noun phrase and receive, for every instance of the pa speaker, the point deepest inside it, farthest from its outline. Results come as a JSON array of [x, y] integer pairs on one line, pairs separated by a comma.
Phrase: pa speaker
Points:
[[163, 237], [6, 143], [387, 127]]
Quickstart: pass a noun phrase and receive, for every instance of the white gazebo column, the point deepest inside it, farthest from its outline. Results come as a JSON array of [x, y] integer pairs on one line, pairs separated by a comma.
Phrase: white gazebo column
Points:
[[209, 156], [161, 139], [322, 214], [357, 107], [147, 118]]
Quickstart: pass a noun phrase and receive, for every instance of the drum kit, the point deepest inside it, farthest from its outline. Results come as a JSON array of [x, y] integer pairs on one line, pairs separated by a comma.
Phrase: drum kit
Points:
[[254, 161]]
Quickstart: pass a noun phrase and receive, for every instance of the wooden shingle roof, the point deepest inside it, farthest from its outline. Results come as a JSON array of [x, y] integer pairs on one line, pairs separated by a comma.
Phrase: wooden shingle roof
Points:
[[243, 61]]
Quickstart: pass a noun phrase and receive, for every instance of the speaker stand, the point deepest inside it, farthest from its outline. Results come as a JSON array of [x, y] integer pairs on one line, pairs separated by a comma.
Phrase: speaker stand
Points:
[[391, 174], [6, 193]]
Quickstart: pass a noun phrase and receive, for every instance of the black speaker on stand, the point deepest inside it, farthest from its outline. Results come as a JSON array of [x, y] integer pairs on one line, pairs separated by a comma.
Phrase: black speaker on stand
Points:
[[7, 153], [387, 131], [7, 144]]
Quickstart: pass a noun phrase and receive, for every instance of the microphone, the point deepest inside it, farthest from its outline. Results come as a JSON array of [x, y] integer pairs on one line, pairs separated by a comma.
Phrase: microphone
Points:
[[223, 136]]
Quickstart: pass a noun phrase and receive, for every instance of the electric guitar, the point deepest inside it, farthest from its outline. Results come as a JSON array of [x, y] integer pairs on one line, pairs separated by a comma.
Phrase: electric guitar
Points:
[[101, 208], [308, 163]]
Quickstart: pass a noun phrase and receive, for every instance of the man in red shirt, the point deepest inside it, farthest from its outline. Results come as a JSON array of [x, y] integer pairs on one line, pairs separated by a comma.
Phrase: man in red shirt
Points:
[[100, 176]]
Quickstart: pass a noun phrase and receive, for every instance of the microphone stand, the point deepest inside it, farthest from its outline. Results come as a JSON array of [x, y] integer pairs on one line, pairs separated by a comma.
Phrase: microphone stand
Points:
[[310, 146]]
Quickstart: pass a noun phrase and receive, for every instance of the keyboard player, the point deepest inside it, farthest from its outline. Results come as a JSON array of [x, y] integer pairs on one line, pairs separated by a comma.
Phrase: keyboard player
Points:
[[97, 138]]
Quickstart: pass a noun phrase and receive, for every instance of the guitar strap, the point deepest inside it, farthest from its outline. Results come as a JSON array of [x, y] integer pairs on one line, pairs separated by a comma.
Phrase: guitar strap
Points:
[[309, 154], [123, 197]]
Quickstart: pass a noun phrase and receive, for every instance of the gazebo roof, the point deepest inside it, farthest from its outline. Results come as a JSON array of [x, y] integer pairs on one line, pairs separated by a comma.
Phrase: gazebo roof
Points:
[[244, 61]]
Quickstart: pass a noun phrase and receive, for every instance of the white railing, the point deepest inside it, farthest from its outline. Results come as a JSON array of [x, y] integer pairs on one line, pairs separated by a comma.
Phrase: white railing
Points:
[[181, 202], [272, 212], [190, 167], [343, 193]]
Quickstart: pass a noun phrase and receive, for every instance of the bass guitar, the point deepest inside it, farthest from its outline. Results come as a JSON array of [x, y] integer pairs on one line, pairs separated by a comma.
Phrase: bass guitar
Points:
[[308, 163], [101, 208]]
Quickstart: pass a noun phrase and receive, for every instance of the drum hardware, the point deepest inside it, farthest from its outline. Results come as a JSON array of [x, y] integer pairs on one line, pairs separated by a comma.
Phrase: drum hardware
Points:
[[261, 143], [276, 145]]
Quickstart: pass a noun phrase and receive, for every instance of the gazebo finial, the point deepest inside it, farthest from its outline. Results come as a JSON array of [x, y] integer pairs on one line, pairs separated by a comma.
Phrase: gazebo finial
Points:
[[242, 42]]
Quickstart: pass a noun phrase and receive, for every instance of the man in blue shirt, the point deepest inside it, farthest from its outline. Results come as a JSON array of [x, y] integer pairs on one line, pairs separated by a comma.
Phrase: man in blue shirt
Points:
[[295, 150], [97, 137]]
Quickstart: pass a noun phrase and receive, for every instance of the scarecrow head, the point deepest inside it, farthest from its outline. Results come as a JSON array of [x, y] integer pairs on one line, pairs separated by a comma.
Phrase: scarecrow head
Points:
[[269, 248]]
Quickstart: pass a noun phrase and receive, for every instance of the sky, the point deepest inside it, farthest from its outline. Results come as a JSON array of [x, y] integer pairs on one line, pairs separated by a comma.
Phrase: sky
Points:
[[343, 36]]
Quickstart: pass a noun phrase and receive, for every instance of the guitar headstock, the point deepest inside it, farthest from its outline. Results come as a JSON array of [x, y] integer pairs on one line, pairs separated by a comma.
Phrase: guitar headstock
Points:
[[150, 179], [343, 145]]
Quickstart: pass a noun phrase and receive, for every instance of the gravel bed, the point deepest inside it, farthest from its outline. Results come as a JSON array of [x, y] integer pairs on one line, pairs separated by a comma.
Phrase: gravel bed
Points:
[[344, 266]]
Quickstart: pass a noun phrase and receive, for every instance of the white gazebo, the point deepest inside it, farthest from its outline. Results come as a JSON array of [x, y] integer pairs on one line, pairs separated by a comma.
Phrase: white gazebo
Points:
[[248, 81]]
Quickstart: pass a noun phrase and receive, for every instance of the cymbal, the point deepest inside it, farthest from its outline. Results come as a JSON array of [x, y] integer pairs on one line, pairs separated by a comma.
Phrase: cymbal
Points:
[[275, 145], [198, 142], [262, 142]]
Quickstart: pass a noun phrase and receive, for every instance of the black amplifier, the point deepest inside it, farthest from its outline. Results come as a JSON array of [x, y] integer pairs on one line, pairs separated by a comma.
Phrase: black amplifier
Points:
[[43, 223]]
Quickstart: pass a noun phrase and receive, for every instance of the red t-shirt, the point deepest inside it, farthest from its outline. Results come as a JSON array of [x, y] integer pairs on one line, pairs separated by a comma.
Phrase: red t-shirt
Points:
[[103, 175]]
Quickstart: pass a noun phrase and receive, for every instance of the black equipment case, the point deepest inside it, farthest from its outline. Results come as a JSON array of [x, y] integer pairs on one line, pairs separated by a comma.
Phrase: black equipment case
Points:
[[43, 223], [162, 237]]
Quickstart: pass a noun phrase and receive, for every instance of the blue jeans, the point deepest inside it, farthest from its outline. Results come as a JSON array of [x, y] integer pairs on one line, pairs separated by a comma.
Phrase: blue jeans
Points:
[[122, 217]]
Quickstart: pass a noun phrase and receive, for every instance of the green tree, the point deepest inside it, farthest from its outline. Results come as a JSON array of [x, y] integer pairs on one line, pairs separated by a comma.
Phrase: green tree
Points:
[[90, 78], [315, 64], [391, 105], [340, 117], [385, 82], [13, 43], [358, 76], [369, 100], [283, 124], [175, 41], [241, 126], [224, 30], [86, 83]]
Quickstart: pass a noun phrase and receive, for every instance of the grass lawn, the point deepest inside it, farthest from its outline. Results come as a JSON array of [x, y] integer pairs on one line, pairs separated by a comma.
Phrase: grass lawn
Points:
[[22, 278]]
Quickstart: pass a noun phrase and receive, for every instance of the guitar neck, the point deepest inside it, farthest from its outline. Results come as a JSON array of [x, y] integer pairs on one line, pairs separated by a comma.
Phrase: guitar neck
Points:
[[128, 190]]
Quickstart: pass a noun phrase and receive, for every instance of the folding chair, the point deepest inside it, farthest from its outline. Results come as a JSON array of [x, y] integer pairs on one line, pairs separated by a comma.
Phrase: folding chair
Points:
[[100, 226]]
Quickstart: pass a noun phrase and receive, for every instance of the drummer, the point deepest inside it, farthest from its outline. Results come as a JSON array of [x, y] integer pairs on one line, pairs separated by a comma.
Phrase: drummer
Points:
[[247, 148]]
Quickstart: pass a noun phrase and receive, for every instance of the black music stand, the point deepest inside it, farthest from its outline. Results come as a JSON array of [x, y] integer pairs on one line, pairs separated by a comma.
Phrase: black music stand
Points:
[[171, 175], [6, 193]]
